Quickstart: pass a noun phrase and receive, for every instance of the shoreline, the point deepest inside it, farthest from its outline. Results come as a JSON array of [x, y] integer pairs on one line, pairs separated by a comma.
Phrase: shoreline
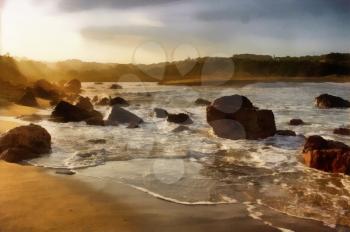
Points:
[[101, 205]]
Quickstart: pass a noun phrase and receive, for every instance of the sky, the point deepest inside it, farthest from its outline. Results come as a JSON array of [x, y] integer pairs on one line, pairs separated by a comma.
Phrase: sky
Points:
[[148, 31]]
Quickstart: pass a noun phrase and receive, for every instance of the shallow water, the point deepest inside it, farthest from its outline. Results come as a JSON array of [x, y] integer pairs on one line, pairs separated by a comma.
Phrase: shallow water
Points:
[[196, 167]]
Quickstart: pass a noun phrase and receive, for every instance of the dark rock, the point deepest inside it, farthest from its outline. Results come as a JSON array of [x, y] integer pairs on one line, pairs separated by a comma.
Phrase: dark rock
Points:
[[327, 155], [160, 113], [25, 142], [44, 89], [97, 141], [73, 86], [180, 119], [95, 99], [28, 99], [65, 172], [32, 118], [181, 129], [296, 122], [85, 104], [329, 101], [66, 112], [342, 131], [115, 86], [202, 102], [235, 117], [118, 101], [104, 102], [286, 133], [121, 115], [133, 125], [95, 121]]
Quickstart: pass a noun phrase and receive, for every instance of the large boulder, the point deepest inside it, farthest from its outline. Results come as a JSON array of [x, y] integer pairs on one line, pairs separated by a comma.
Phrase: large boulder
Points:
[[103, 101], [329, 101], [44, 89], [84, 103], [66, 112], [327, 155], [28, 99], [25, 142], [235, 117], [73, 86], [179, 119], [120, 115], [118, 101]]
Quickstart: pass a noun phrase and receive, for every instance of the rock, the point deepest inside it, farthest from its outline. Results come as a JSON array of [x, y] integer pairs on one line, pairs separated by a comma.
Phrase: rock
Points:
[[296, 122], [66, 112], [97, 141], [32, 118], [202, 102], [181, 129], [235, 117], [328, 101], [104, 102], [95, 121], [342, 131], [121, 115], [133, 125], [28, 99], [73, 86], [115, 86], [286, 133], [44, 89], [118, 101], [65, 172], [95, 99], [180, 119], [85, 104], [160, 113], [327, 155], [25, 142]]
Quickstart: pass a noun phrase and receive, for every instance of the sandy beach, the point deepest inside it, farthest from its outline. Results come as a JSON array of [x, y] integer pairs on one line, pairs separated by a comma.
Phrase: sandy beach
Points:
[[34, 199]]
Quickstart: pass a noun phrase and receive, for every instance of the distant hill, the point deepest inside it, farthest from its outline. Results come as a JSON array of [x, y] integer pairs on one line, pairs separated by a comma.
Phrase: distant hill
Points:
[[237, 67]]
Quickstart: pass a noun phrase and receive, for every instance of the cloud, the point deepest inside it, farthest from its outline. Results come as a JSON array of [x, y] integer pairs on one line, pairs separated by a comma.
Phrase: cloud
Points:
[[252, 10], [81, 5]]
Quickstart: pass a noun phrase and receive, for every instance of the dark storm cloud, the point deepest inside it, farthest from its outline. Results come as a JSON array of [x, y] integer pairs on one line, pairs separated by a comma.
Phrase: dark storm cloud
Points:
[[80, 5], [250, 10]]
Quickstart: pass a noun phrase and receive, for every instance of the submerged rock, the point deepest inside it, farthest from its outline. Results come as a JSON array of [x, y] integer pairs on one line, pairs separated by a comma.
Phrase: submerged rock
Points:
[[25, 142], [97, 141], [327, 155], [65, 172], [329, 101], [202, 102], [115, 86], [121, 115], [28, 99], [73, 86], [296, 122], [286, 133], [179, 118], [342, 131], [235, 117], [181, 129], [66, 112], [160, 113], [118, 101]]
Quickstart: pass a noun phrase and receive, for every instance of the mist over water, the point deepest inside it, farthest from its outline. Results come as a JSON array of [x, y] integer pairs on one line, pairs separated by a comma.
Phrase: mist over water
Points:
[[196, 167]]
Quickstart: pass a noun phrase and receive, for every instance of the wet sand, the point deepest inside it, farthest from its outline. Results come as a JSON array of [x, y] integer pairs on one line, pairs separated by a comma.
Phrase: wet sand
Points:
[[35, 199]]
